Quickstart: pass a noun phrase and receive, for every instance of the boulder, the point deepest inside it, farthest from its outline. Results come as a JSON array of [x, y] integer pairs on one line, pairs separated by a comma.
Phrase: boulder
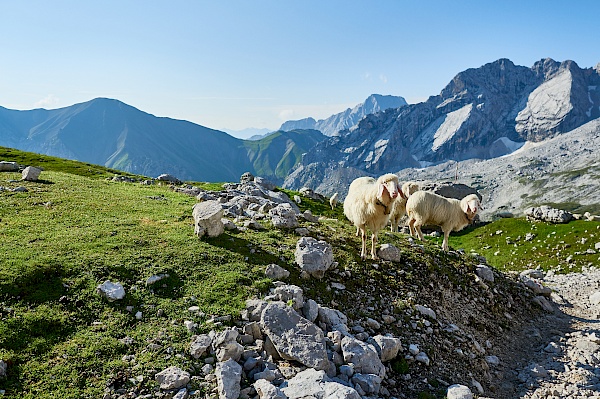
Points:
[[172, 378], [314, 257], [31, 173], [3, 368], [310, 193], [111, 291], [311, 383], [207, 219], [264, 183], [485, 273], [369, 383], [168, 178], [6, 166], [199, 345], [283, 216], [310, 310], [276, 272], [266, 390], [290, 294], [363, 356], [255, 308], [389, 252], [458, 391], [246, 177], [226, 346], [387, 347], [333, 319], [294, 337], [547, 214], [307, 383], [229, 377]]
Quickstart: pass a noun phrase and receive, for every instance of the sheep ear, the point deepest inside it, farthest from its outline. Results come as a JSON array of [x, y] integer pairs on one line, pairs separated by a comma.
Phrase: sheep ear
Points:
[[465, 207], [380, 191]]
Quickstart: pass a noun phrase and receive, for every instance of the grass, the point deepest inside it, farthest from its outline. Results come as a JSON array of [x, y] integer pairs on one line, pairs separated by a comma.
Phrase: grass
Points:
[[50, 163], [70, 233], [75, 229], [503, 243]]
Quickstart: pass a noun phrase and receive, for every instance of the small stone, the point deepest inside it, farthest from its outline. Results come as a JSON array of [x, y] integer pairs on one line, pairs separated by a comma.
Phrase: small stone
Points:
[[413, 349], [172, 378], [458, 391], [111, 291], [276, 272], [423, 358], [425, 311], [374, 324]]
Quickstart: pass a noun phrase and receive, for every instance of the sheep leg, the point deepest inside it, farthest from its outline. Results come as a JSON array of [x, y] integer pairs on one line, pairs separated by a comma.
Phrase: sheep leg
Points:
[[419, 232], [363, 236], [357, 231], [373, 245], [445, 242], [411, 226]]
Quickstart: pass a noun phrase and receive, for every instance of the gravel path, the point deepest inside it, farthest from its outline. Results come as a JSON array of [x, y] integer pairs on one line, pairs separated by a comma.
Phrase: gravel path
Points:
[[564, 347]]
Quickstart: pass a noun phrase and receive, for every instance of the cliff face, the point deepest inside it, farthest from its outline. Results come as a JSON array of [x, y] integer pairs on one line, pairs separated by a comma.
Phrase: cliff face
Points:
[[482, 113]]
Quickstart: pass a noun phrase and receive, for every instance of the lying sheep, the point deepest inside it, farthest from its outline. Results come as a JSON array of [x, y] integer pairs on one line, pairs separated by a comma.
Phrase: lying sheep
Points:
[[424, 207], [399, 206], [368, 206]]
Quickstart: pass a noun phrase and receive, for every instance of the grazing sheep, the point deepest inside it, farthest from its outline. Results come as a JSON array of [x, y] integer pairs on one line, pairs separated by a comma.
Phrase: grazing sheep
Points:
[[333, 200], [399, 206], [424, 207], [368, 206]]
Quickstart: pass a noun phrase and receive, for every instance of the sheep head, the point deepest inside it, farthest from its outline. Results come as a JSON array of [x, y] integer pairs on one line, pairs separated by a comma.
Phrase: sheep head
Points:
[[388, 183], [409, 188], [470, 205]]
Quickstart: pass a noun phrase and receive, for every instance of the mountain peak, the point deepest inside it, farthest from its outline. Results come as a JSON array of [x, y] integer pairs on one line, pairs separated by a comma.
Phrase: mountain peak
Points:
[[333, 125]]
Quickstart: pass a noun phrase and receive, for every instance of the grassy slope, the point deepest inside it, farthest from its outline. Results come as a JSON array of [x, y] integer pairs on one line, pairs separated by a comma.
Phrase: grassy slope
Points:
[[73, 230], [285, 150], [504, 246], [63, 238]]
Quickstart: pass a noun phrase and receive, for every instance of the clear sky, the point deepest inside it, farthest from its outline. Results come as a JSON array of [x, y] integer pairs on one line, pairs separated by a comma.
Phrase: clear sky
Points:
[[240, 63]]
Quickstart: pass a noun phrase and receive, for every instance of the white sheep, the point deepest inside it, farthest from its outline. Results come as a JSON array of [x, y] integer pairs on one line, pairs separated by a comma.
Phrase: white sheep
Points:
[[399, 206], [333, 200], [368, 206], [424, 207]]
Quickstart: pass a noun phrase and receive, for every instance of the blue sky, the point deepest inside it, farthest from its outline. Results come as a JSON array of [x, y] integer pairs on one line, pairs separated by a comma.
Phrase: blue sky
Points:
[[240, 64]]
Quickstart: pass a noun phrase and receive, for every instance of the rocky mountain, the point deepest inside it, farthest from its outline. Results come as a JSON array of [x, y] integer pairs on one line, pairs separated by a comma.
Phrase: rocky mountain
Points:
[[111, 133], [349, 118], [482, 113], [563, 172]]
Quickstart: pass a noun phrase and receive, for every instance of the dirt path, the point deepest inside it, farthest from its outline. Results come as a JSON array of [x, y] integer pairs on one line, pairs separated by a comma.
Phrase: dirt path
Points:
[[558, 356]]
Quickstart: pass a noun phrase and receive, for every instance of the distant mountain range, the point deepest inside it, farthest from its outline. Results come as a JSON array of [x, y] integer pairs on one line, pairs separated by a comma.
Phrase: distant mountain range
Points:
[[111, 133], [482, 113], [349, 118]]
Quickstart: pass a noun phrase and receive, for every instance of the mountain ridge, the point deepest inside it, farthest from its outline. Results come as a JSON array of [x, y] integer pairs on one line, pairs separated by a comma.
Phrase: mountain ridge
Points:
[[481, 114], [117, 135], [347, 119]]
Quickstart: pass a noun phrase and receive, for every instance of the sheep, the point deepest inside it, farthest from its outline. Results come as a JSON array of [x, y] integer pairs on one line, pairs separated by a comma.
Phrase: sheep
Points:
[[399, 206], [333, 200], [368, 206], [424, 207]]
